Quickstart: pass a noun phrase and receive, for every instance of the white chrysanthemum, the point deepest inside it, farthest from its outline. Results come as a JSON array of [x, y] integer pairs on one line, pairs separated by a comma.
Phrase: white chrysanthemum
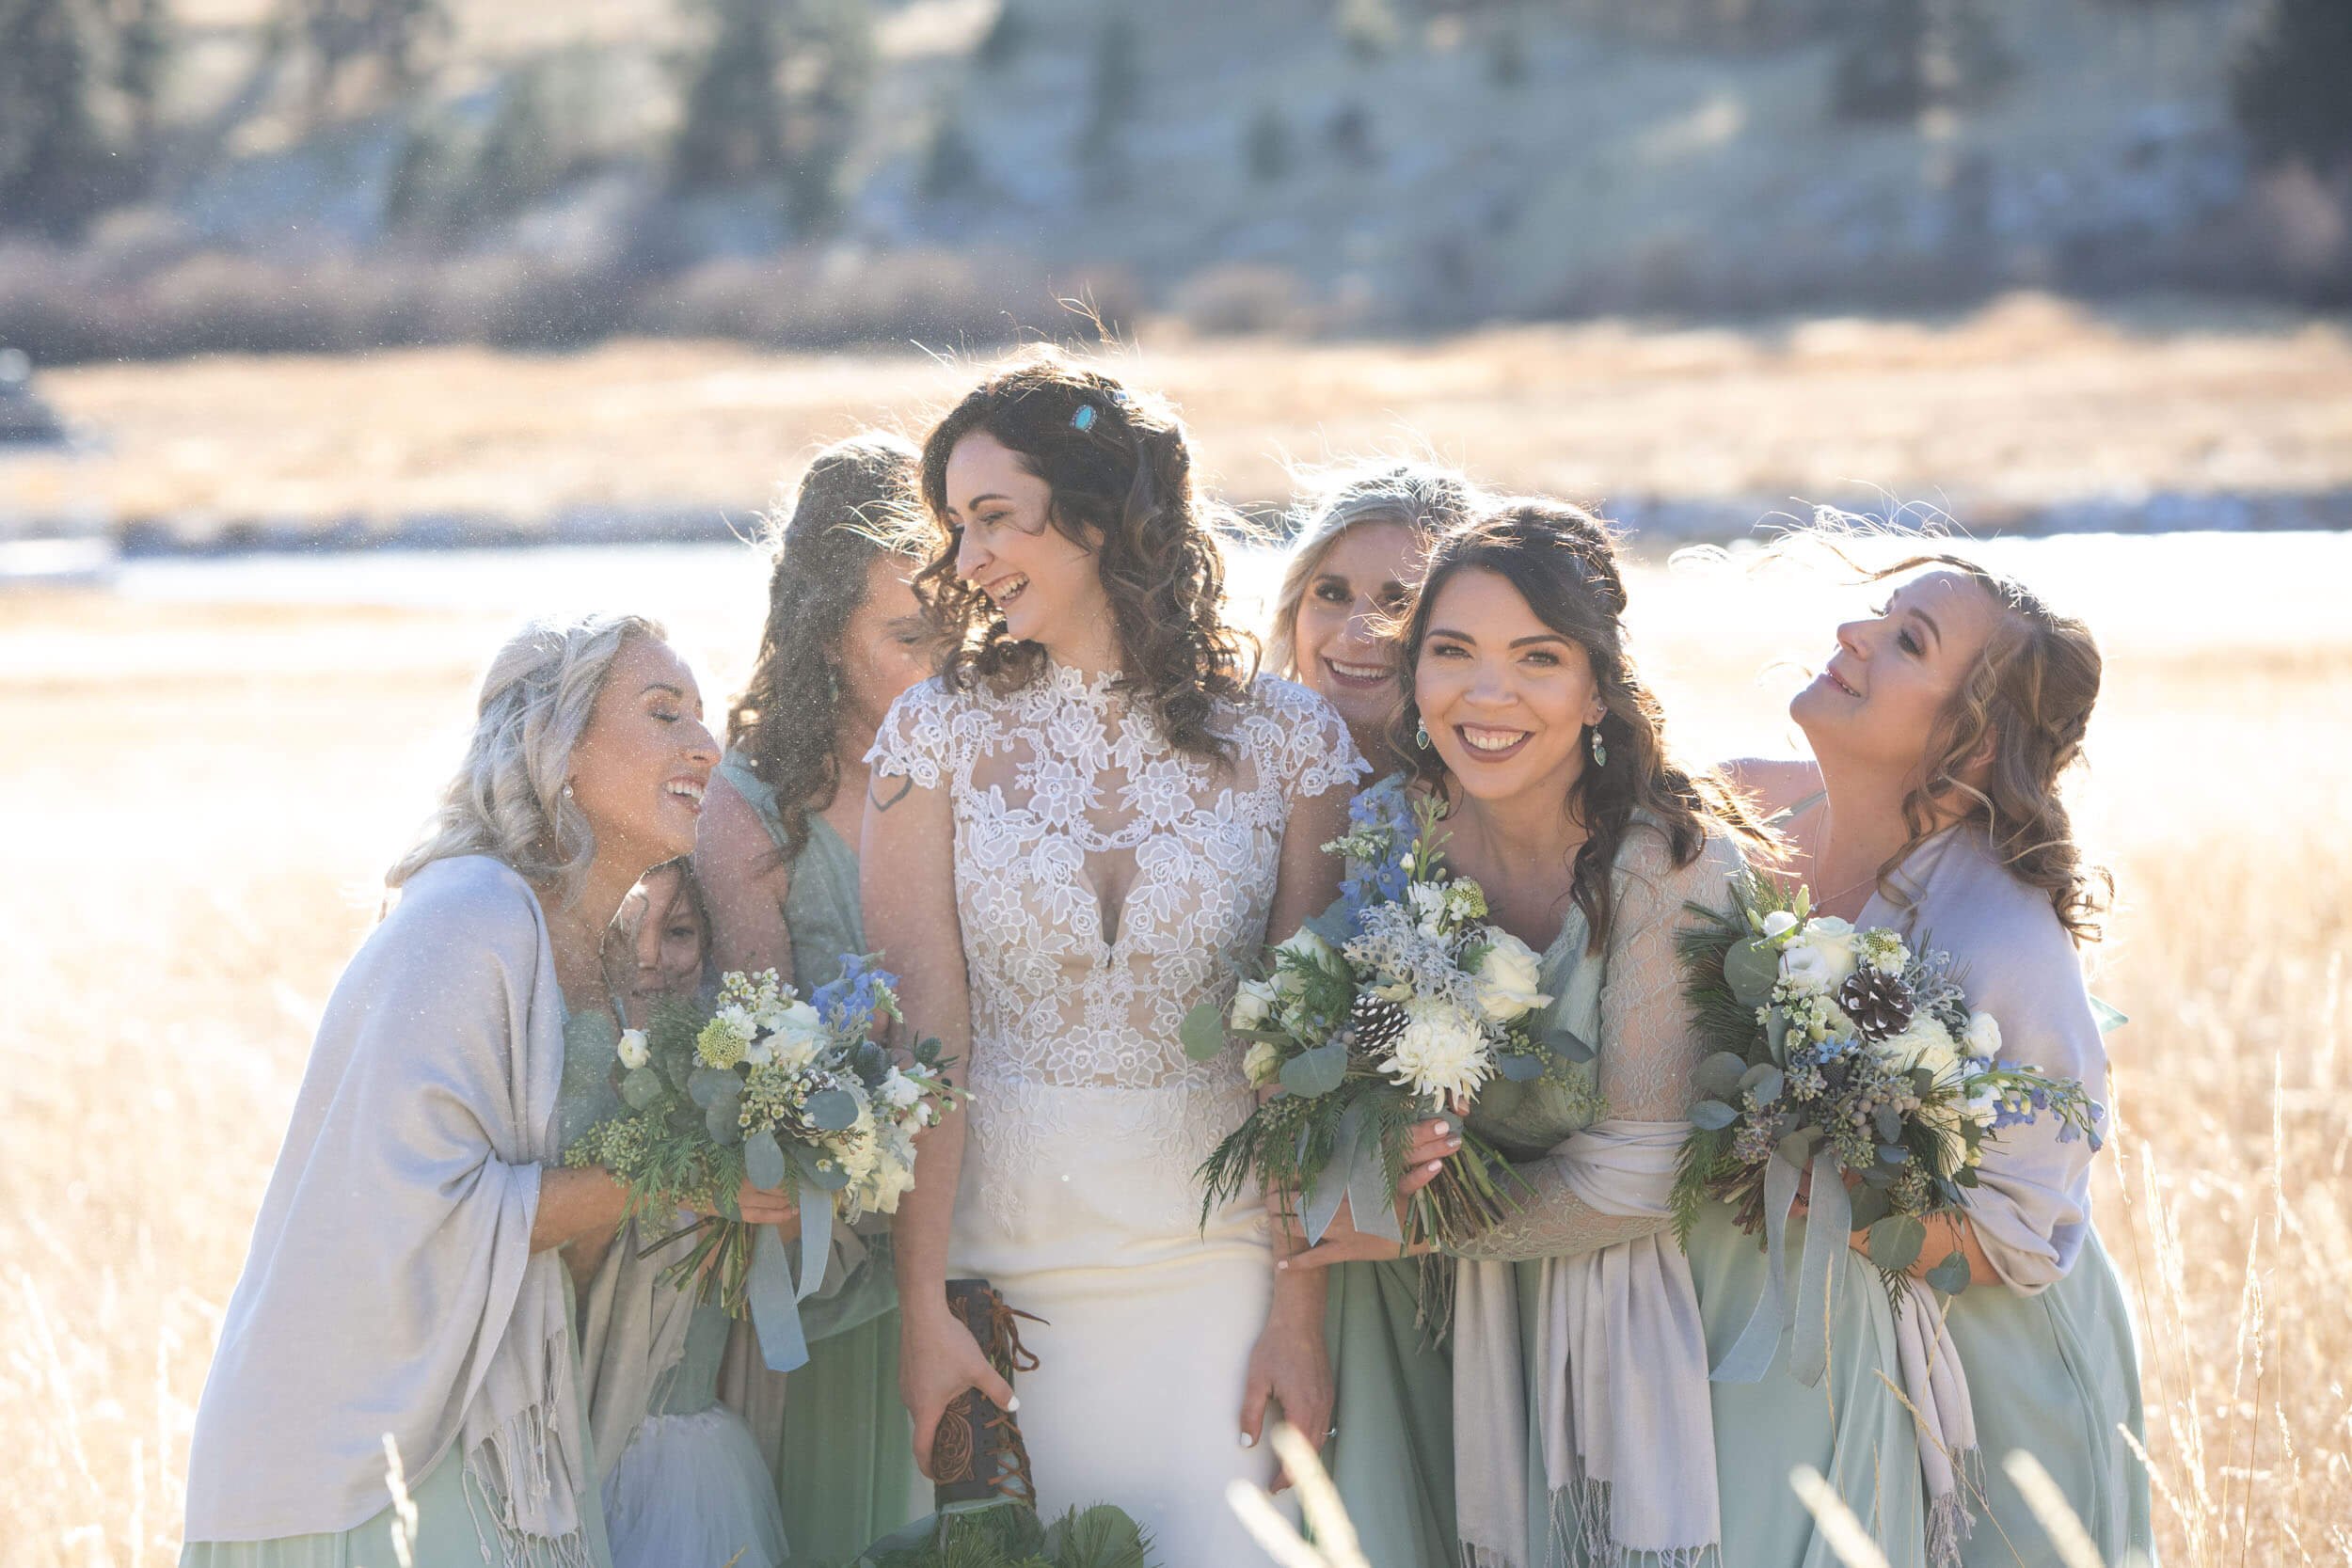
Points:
[[1440, 1051], [1252, 1000], [1924, 1043], [1262, 1064], [632, 1049], [1507, 976]]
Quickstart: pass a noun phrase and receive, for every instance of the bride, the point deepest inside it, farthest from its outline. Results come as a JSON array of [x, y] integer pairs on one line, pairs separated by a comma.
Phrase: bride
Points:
[[1073, 835]]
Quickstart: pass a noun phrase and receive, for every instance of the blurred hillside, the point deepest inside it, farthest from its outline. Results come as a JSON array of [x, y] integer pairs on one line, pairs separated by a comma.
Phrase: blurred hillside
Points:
[[178, 176]]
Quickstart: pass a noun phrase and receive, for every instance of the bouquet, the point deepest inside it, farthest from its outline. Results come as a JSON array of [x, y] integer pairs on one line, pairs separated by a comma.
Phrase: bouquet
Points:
[[768, 1088], [1398, 1005], [1846, 1054], [1010, 1535]]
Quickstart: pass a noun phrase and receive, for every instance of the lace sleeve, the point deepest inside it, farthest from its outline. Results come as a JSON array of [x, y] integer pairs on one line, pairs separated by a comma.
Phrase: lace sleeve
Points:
[[1305, 741], [1649, 1053], [913, 739]]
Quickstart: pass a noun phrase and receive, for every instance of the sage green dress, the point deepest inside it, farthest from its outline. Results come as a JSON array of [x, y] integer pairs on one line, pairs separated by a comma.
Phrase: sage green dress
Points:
[[1626, 1000], [449, 1506], [845, 1458]]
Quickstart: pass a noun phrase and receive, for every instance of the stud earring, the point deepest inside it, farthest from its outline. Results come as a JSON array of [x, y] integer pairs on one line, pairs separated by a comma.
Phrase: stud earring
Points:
[[567, 789], [1600, 752], [1420, 733]]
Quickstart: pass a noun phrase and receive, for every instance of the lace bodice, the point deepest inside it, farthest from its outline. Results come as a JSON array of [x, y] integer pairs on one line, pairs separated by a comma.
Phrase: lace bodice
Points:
[[1107, 883]]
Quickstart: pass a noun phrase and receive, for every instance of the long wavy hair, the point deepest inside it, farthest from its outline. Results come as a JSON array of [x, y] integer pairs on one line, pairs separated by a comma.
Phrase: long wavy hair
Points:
[[1563, 561], [1426, 497], [853, 497], [1120, 479], [507, 800], [2019, 716]]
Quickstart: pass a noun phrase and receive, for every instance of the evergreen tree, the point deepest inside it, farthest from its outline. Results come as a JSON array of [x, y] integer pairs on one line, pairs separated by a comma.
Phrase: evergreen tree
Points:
[[831, 44], [342, 38], [732, 128], [2292, 84], [1006, 34], [51, 148], [1900, 56], [951, 167], [1266, 150], [1112, 101]]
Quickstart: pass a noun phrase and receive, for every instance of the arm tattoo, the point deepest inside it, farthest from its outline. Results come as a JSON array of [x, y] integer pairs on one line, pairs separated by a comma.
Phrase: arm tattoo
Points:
[[874, 792]]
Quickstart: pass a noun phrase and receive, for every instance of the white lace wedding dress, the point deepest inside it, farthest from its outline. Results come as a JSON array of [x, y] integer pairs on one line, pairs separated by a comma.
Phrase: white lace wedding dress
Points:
[[1087, 1120]]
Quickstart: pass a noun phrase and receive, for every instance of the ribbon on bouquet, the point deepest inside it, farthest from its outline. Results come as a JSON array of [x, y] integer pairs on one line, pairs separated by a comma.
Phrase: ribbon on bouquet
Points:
[[1828, 1226], [774, 1298], [1358, 1173]]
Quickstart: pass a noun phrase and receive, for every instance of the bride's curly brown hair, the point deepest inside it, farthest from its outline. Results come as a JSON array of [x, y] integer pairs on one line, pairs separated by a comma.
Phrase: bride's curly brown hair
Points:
[[1120, 476], [1563, 561]]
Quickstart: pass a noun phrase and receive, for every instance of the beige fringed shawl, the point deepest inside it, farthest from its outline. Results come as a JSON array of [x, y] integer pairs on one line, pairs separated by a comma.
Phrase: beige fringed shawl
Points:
[[390, 1286]]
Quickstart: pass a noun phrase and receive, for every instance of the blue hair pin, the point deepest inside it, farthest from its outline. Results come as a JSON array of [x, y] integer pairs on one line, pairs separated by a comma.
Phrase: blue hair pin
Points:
[[1086, 416]]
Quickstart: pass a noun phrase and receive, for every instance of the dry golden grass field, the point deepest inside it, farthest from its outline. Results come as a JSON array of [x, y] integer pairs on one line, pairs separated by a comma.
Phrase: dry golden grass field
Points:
[[202, 791], [2027, 401]]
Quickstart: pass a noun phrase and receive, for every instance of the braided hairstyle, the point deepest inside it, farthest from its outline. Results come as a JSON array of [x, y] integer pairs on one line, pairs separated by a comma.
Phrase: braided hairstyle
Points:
[[1120, 476], [1563, 561], [2020, 715], [787, 719]]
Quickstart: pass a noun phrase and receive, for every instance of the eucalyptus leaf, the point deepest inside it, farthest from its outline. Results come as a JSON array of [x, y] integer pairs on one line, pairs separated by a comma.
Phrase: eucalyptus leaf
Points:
[[1894, 1243], [1751, 969], [1203, 1033], [815, 1173], [764, 1162], [1719, 1075], [1519, 1066], [642, 1088], [831, 1110], [722, 1122], [1776, 1037], [1965, 1177], [1764, 1081], [1318, 1071], [1923, 1081], [1570, 1046], [1712, 1115], [707, 1086], [1893, 1154], [1951, 1276], [1870, 1205], [1889, 1124]]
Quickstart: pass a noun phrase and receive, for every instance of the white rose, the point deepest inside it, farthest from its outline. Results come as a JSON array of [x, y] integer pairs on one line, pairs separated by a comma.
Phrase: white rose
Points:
[[1262, 1064], [795, 1034], [1252, 1003], [1982, 1037], [1440, 1051], [1304, 943], [632, 1049], [1821, 956], [1507, 977], [1779, 923]]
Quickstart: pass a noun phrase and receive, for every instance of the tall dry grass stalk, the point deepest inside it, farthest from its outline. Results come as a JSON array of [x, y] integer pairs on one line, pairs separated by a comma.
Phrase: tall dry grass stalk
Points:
[[200, 803]]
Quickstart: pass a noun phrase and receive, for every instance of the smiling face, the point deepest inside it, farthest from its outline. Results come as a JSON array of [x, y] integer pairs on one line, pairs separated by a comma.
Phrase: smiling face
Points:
[[1044, 582], [667, 935], [1504, 697], [1875, 704], [641, 764], [887, 646], [1363, 578]]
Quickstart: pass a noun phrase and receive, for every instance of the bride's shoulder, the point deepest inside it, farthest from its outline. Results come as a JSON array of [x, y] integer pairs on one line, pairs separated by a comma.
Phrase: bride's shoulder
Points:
[[1273, 694]]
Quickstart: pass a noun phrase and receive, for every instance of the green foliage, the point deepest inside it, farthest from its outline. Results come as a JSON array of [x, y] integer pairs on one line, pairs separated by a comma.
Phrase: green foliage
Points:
[[2290, 83], [1010, 1535], [1114, 94], [739, 125], [53, 150], [950, 167], [383, 41]]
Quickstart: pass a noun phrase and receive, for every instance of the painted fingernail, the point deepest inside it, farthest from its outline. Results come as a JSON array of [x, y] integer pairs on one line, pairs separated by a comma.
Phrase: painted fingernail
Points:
[[1454, 1142], [1248, 1441], [1442, 1127], [1283, 1267], [1436, 1166], [1012, 1404]]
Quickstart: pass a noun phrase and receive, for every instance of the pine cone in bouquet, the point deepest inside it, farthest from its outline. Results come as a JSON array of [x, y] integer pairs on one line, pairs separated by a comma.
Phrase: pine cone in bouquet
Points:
[[1879, 1005], [1375, 1020], [977, 1452]]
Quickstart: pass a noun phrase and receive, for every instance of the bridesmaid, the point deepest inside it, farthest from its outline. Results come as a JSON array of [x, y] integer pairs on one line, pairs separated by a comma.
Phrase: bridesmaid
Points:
[[1940, 729], [684, 1480], [776, 856], [1585, 1426], [408, 1276], [1357, 558]]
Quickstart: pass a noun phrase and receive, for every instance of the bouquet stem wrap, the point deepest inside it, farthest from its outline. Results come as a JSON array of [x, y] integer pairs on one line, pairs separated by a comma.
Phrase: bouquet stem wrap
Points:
[[774, 1298]]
